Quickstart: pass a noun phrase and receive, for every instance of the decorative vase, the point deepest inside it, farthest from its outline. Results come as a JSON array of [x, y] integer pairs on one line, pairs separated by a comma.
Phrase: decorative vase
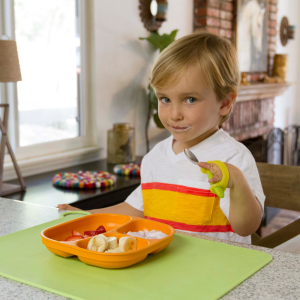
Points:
[[280, 66], [121, 144]]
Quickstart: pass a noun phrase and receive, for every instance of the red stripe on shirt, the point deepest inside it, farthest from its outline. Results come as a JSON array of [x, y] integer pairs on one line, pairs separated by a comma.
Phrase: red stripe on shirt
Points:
[[177, 188], [194, 228], [159, 186]]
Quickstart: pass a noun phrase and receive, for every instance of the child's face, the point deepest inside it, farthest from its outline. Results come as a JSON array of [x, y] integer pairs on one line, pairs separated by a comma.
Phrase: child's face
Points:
[[188, 109]]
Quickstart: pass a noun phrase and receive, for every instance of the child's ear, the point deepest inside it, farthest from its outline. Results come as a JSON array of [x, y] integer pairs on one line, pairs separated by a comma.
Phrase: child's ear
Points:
[[227, 104]]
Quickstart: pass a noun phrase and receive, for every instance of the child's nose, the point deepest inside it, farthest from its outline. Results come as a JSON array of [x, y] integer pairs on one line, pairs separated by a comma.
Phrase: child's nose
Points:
[[176, 114]]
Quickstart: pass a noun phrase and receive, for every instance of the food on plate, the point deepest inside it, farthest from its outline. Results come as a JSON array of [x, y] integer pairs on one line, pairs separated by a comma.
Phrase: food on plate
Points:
[[153, 234], [75, 233], [102, 243], [98, 243], [112, 242], [116, 250], [93, 232], [74, 238], [86, 234], [101, 228], [127, 243]]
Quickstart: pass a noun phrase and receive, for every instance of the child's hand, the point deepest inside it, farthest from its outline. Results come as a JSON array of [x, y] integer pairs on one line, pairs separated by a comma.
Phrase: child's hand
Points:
[[67, 207], [215, 170]]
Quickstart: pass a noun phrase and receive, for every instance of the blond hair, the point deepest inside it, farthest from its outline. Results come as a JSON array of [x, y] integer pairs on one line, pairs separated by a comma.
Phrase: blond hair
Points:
[[216, 57]]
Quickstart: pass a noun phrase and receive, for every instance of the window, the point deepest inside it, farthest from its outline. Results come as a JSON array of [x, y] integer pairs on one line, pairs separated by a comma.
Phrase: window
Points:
[[49, 52], [48, 108]]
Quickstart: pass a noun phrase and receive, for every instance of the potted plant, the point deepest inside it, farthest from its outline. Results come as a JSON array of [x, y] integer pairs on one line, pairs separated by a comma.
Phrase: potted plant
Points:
[[159, 42]]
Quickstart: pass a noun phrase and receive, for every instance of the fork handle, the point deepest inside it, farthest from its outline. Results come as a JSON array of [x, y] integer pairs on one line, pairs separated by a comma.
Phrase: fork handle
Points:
[[219, 187]]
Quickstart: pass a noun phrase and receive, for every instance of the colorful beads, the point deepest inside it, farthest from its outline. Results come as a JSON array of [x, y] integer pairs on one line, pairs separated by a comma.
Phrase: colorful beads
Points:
[[84, 180], [128, 170]]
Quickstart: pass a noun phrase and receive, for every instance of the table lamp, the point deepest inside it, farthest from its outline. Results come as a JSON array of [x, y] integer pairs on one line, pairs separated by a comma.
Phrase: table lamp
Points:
[[9, 72]]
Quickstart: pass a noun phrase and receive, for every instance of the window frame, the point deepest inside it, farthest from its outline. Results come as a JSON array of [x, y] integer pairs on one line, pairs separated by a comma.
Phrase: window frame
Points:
[[8, 91]]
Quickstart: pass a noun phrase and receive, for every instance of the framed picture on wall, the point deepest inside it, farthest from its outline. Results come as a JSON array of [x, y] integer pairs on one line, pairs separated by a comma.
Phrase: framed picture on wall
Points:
[[252, 35]]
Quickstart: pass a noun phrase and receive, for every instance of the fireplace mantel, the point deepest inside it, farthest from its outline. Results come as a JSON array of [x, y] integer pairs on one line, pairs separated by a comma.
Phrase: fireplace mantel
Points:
[[253, 114], [258, 91]]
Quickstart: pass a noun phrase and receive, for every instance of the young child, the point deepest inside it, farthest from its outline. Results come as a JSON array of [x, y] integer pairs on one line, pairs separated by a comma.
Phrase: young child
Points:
[[195, 80]]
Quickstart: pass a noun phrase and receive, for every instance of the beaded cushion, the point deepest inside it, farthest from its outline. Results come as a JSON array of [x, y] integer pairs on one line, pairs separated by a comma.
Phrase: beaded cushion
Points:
[[132, 169], [84, 180]]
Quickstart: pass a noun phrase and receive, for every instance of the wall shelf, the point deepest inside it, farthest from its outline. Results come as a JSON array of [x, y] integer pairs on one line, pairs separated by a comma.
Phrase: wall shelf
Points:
[[258, 91]]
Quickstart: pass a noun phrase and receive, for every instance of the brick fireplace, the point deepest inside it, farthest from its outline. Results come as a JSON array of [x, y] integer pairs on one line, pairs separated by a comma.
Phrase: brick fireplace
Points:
[[219, 17], [253, 115]]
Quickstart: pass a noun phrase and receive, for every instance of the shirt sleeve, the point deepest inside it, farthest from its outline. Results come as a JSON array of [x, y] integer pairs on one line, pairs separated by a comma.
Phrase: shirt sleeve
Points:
[[246, 163], [135, 199]]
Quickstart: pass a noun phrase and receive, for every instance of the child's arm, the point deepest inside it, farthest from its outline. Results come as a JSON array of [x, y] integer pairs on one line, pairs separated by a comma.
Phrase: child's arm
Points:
[[122, 209], [245, 211]]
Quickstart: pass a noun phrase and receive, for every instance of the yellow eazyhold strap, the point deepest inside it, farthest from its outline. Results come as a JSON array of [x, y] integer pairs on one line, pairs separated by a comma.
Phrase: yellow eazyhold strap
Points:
[[219, 187]]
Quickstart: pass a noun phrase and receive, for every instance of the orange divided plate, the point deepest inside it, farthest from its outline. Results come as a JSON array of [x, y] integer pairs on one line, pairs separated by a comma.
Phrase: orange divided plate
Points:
[[116, 225]]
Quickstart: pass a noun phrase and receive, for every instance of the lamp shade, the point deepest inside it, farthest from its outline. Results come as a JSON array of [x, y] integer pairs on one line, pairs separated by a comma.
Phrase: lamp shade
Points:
[[9, 62]]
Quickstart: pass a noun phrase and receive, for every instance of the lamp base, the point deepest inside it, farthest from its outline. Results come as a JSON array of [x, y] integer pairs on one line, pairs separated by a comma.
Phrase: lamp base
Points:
[[8, 188]]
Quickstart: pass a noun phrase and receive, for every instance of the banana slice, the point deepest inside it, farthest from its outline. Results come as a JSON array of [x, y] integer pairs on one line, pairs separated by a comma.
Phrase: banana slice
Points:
[[98, 243], [115, 250], [127, 243], [103, 236], [112, 242]]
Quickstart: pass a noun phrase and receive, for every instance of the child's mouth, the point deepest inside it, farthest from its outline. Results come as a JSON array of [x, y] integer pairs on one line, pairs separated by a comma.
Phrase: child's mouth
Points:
[[181, 128]]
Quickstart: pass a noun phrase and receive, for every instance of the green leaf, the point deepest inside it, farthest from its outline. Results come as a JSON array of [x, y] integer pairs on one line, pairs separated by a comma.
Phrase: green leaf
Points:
[[161, 41], [157, 121], [154, 107], [153, 99], [173, 34]]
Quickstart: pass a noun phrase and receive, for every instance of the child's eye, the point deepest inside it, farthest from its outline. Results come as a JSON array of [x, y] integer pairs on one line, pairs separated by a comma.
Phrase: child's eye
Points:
[[165, 100], [191, 100]]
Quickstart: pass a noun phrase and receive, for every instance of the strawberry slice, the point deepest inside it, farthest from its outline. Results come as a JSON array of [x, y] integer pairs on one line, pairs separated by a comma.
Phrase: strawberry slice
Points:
[[74, 238], [101, 228], [93, 232], [75, 233]]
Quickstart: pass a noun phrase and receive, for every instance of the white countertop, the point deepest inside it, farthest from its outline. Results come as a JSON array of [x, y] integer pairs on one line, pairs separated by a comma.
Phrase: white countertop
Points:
[[280, 279]]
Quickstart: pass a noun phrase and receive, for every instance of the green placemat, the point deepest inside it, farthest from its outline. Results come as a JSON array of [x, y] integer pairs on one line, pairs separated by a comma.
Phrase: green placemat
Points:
[[189, 268]]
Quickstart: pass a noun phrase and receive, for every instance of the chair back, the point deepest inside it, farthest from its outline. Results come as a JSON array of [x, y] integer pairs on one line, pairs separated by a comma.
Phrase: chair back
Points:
[[281, 186]]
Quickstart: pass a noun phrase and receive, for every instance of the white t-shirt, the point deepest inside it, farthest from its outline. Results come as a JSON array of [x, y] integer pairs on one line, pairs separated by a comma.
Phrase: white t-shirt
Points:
[[162, 165]]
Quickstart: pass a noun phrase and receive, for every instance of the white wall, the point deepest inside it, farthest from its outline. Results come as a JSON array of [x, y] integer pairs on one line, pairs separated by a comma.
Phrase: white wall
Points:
[[287, 106], [123, 64]]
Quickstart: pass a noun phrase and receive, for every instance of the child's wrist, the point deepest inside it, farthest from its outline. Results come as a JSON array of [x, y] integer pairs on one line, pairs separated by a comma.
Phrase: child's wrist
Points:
[[233, 174]]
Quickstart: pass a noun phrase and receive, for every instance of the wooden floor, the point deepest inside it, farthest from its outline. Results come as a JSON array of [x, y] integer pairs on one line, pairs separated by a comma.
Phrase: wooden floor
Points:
[[283, 218]]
